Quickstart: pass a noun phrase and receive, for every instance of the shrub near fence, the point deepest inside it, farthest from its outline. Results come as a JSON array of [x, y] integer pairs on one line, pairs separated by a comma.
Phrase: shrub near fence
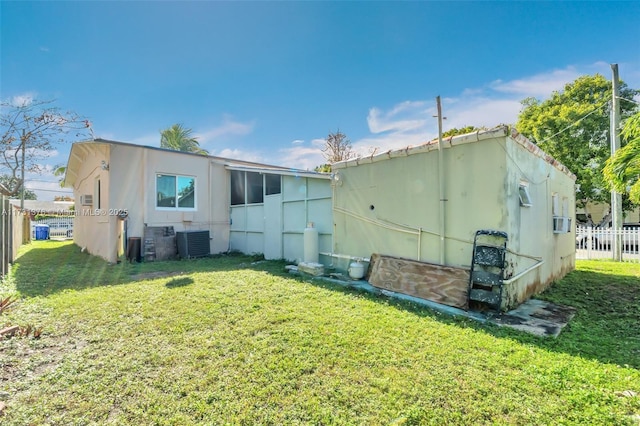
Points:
[[597, 243]]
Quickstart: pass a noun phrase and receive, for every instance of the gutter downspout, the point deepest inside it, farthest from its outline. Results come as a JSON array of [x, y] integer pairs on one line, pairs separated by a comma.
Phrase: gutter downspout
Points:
[[441, 193]]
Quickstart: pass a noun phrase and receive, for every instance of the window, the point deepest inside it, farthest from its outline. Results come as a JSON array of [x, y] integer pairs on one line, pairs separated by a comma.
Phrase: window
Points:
[[272, 184], [96, 196], [237, 187], [255, 187], [175, 192], [249, 187], [523, 191]]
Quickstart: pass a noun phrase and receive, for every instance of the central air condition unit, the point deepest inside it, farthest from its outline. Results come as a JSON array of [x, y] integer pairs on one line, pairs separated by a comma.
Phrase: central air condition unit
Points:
[[86, 200], [192, 244]]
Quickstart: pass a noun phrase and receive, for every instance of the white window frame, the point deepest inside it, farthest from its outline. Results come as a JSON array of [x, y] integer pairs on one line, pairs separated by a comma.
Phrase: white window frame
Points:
[[176, 208], [523, 194]]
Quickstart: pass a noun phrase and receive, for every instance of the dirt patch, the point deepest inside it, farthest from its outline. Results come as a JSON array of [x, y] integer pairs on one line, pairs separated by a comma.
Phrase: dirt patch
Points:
[[154, 275]]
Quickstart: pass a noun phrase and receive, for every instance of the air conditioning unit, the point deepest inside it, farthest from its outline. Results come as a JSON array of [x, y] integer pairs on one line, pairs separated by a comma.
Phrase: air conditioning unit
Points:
[[561, 225], [192, 244], [86, 200]]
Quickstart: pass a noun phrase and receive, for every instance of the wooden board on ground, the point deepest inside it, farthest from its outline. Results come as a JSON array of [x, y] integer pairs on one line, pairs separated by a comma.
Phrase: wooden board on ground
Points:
[[438, 283]]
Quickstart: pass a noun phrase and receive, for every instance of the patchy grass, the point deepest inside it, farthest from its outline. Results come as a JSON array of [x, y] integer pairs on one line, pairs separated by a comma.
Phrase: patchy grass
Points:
[[228, 340]]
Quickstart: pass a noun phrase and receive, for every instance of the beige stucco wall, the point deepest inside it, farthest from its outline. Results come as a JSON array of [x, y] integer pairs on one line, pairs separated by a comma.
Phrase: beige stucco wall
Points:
[[391, 207], [130, 184], [92, 229]]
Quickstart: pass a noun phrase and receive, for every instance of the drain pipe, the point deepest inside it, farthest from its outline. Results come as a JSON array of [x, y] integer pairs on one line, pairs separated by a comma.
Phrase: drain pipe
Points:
[[441, 184]]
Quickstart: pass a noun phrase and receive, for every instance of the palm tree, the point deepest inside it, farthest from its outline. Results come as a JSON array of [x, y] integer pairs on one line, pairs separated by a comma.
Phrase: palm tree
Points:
[[179, 138], [622, 171]]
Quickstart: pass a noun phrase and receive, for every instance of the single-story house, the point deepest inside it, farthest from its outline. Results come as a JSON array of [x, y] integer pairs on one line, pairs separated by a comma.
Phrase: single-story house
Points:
[[426, 205], [125, 191], [415, 213]]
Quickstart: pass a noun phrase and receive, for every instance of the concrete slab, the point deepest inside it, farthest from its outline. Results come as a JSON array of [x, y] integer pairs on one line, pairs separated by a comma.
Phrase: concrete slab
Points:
[[537, 317]]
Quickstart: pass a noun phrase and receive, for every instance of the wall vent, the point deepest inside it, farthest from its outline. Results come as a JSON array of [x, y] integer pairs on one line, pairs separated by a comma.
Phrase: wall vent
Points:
[[193, 244]]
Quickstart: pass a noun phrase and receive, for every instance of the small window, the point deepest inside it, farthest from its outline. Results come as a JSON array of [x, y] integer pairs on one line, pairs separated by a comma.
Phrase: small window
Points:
[[555, 205], [237, 187], [96, 196], [255, 187], [525, 198], [272, 184], [175, 192]]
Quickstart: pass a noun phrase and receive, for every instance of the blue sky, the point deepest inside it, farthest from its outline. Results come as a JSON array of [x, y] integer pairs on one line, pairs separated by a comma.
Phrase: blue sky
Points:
[[267, 81]]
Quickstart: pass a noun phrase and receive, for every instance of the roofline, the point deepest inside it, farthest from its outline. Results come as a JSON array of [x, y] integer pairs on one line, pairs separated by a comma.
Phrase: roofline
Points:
[[156, 148], [287, 172], [477, 136]]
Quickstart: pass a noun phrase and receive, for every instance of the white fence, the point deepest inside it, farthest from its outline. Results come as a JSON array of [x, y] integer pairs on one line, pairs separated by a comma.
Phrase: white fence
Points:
[[59, 226], [597, 243]]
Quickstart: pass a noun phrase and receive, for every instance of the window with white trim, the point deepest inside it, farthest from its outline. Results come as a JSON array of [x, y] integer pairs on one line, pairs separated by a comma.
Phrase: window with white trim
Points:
[[252, 187], [175, 192], [523, 192]]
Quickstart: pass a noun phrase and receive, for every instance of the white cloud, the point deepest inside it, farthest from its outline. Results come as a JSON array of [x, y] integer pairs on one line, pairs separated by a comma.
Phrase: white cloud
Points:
[[23, 99], [228, 127], [237, 154], [44, 49], [411, 122], [150, 139], [297, 142], [301, 157]]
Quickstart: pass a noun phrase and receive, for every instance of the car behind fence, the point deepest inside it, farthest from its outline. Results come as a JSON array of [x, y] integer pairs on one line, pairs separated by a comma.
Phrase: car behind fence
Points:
[[598, 243]]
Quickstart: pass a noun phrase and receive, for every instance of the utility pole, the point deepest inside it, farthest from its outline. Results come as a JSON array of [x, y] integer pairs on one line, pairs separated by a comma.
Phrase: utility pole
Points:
[[616, 199], [24, 151], [441, 184]]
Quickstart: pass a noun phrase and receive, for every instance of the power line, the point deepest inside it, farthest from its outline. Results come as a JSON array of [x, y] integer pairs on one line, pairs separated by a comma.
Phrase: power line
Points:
[[574, 123]]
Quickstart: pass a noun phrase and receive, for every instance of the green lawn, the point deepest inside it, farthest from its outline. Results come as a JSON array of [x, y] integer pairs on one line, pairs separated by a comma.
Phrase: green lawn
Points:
[[238, 342]]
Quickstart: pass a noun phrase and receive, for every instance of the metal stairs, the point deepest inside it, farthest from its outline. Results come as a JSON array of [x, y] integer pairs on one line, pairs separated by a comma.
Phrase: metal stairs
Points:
[[487, 268]]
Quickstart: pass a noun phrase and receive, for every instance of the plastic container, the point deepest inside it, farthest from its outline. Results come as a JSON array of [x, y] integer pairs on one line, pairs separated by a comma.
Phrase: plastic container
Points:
[[42, 232], [134, 246]]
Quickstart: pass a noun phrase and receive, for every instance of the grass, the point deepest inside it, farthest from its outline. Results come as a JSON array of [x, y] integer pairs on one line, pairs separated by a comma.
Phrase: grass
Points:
[[229, 340]]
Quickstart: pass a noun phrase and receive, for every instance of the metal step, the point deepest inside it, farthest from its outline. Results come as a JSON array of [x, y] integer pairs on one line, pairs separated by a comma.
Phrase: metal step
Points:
[[487, 278], [485, 296]]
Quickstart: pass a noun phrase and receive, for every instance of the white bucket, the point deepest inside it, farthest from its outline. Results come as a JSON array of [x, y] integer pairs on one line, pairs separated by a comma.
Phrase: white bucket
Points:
[[356, 270]]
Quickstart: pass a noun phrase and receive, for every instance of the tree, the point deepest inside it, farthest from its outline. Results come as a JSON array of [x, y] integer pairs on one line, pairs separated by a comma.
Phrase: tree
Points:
[[622, 171], [180, 138], [30, 131], [337, 147], [8, 181], [573, 126]]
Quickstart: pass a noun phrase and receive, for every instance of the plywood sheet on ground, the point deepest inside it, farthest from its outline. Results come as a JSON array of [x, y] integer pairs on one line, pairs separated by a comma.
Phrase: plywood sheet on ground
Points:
[[438, 283]]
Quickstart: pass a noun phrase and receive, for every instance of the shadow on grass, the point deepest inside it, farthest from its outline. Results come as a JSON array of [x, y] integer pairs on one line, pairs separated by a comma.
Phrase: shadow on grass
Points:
[[179, 282], [606, 326], [49, 267]]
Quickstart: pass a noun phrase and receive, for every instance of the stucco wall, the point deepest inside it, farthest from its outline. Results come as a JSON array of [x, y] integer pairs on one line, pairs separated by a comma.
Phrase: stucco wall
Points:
[[392, 206]]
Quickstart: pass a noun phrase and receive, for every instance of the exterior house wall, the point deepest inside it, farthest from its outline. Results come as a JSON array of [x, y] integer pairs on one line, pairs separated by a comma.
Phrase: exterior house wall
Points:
[[92, 229], [129, 184], [276, 226], [391, 206]]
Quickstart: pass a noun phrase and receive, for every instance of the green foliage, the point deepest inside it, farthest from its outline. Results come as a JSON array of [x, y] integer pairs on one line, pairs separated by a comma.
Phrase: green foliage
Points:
[[622, 171], [324, 168], [231, 341], [573, 126], [180, 138], [461, 131]]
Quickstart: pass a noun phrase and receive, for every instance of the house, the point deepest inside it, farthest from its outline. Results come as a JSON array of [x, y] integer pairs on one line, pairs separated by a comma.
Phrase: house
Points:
[[125, 191], [414, 213], [425, 206]]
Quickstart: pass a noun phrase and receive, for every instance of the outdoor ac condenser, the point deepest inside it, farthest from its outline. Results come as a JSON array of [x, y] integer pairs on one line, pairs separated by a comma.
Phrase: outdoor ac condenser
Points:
[[192, 244]]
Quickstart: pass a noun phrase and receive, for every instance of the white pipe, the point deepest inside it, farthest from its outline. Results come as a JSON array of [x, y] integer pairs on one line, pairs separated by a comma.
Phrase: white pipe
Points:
[[529, 269], [346, 256]]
